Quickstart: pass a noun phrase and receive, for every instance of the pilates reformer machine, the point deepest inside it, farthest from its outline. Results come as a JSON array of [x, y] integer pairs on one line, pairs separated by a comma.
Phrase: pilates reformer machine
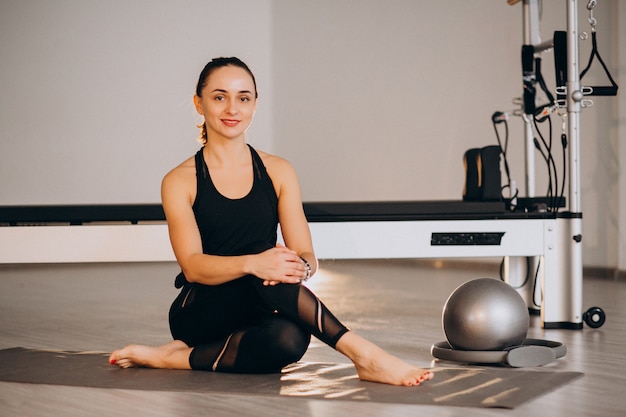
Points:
[[550, 241]]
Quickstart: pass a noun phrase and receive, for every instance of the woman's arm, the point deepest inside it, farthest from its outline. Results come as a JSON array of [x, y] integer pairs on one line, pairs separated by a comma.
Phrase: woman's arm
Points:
[[293, 222], [177, 193]]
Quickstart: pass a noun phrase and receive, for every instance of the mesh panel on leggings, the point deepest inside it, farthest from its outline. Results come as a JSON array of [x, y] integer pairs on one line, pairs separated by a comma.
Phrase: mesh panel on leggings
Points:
[[324, 325], [218, 356]]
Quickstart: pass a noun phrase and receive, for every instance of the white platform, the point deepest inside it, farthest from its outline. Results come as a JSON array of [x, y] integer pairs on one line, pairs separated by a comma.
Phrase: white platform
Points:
[[332, 240], [548, 239]]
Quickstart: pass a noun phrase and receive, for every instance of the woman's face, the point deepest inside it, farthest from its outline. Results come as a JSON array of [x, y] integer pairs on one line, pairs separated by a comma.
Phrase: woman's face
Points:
[[228, 103]]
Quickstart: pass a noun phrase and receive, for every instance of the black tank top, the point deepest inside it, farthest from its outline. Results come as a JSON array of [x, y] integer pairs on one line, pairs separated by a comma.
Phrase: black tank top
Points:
[[236, 226]]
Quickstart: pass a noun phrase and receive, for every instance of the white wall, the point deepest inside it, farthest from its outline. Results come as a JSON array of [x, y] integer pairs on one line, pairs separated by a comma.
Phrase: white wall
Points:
[[370, 99], [379, 101], [96, 102]]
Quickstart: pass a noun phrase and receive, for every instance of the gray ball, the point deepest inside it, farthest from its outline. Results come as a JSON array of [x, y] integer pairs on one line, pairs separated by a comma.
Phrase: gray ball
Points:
[[485, 314]]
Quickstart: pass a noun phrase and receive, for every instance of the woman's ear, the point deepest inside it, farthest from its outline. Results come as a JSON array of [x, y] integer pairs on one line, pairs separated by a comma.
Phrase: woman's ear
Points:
[[197, 102]]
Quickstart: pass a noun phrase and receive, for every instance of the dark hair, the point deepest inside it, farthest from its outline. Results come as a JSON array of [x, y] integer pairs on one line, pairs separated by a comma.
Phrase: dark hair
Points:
[[221, 62], [208, 69]]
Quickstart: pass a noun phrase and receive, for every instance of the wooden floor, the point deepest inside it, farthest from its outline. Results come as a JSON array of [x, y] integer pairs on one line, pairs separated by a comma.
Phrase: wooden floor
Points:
[[397, 304]]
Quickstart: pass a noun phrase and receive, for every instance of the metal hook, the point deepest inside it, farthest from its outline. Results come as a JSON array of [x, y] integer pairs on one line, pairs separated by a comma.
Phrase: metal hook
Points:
[[563, 116], [586, 103], [592, 20]]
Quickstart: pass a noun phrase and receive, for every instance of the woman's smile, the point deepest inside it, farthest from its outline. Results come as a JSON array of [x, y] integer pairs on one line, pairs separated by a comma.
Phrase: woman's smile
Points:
[[230, 122]]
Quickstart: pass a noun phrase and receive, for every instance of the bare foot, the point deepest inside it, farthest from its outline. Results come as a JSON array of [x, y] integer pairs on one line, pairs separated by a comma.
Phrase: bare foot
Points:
[[173, 355], [374, 364]]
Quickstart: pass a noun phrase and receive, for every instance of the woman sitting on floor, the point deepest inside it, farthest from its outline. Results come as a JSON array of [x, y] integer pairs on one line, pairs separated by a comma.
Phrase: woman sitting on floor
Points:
[[243, 306]]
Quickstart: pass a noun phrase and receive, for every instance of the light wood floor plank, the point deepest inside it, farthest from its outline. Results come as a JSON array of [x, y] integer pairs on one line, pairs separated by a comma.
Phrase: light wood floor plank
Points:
[[397, 304]]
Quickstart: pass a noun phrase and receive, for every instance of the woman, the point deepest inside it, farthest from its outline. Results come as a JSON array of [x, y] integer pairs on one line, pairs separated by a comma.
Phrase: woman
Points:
[[242, 307]]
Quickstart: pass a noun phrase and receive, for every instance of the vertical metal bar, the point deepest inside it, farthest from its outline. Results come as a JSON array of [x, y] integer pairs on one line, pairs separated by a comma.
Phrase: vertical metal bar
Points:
[[529, 156], [568, 296], [574, 98], [531, 35]]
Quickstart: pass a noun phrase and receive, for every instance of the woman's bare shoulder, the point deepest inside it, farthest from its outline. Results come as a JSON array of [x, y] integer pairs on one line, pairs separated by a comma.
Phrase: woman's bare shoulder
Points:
[[184, 173], [276, 164], [281, 172]]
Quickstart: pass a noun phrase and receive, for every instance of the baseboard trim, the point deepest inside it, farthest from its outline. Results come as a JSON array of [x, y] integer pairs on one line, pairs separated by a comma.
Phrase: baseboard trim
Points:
[[594, 272], [602, 272]]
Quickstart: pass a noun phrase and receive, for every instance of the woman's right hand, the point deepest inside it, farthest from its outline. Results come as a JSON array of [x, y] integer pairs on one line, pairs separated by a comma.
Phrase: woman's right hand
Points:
[[279, 265]]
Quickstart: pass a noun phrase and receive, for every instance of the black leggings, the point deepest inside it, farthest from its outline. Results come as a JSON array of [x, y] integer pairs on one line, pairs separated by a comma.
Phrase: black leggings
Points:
[[245, 327]]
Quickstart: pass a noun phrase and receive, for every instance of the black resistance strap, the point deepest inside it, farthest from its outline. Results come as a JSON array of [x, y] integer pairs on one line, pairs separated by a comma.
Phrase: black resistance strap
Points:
[[528, 78], [599, 90]]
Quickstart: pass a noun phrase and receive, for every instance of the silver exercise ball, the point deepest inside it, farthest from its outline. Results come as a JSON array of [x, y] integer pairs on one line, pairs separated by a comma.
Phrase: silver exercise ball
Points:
[[485, 314]]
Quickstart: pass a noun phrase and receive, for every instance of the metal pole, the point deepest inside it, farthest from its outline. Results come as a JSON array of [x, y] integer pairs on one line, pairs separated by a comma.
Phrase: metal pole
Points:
[[574, 99], [529, 156], [565, 289], [520, 271], [531, 35]]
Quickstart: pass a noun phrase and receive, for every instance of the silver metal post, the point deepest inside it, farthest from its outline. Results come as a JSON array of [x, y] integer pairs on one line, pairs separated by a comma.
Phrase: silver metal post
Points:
[[529, 156], [564, 285], [531, 36], [574, 99]]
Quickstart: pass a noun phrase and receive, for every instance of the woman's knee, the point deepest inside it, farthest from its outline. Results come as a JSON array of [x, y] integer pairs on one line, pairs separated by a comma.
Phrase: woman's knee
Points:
[[293, 341], [269, 347]]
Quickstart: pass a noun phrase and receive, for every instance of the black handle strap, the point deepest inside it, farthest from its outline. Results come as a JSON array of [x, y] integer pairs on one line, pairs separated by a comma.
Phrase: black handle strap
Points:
[[528, 78], [599, 90], [560, 61]]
